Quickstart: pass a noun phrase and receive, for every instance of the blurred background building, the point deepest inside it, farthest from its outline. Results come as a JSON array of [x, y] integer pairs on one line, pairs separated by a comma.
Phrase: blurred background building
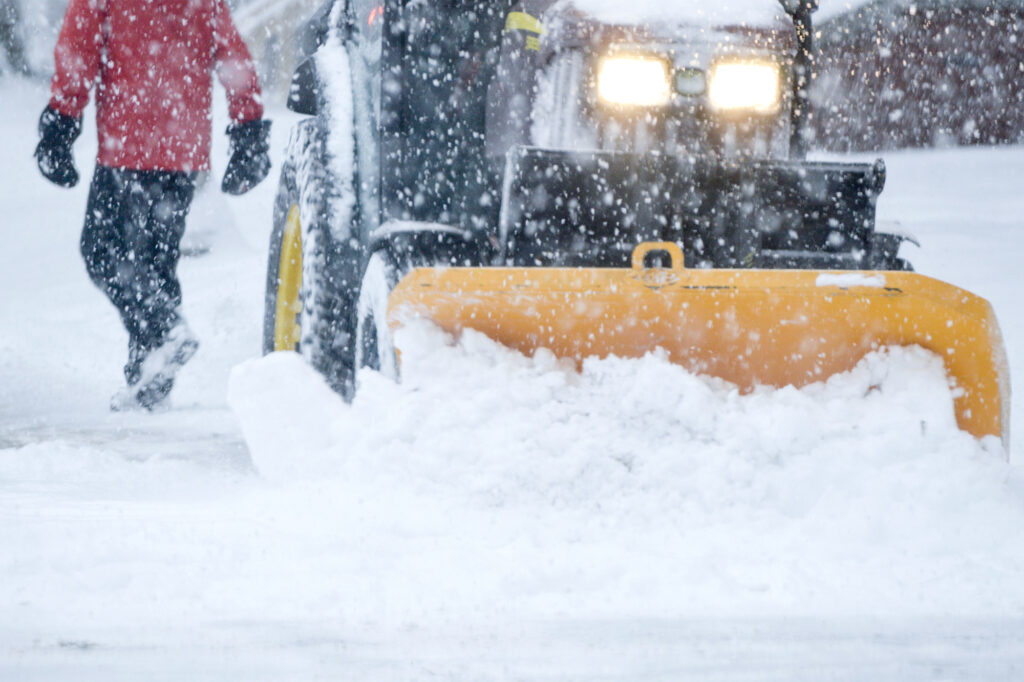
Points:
[[901, 73], [271, 30], [12, 43]]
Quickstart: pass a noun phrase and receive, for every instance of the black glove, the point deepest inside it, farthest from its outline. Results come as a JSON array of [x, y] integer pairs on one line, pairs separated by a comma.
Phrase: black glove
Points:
[[250, 158], [53, 153]]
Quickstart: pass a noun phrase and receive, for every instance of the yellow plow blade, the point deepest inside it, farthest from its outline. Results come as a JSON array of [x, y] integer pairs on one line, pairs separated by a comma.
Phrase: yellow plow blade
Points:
[[750, 327]]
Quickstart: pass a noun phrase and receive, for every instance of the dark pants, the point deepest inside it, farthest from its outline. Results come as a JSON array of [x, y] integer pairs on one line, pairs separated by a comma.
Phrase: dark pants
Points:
[[133, 224]]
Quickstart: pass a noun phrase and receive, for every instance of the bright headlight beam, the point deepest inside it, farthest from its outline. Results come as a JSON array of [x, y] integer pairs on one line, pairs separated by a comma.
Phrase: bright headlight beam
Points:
[[634, 80], [752, 86]]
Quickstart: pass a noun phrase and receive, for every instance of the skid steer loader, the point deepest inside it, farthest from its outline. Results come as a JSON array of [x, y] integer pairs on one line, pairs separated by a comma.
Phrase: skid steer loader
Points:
[[580, 176]]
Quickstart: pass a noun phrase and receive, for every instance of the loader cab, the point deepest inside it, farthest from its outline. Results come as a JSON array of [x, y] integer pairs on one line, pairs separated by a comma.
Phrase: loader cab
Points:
[[420, 73], [511, 133], [438, 63], [462, 83], [444, 90], [548, 136]]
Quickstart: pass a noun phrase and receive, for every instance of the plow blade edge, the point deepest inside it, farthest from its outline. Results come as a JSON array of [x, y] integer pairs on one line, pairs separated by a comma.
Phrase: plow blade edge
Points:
[[749, 327]]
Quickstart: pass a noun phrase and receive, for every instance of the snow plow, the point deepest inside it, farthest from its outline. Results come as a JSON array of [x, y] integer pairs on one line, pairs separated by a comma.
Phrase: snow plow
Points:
[[579, 176], [749, 327]]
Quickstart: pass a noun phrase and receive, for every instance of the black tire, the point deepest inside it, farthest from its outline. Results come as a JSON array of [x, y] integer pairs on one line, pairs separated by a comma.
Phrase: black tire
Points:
[[329, 268]]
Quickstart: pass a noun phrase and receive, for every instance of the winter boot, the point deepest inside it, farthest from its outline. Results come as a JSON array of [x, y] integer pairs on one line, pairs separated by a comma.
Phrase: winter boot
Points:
[[124, 400], [153, 398], [157, 371], [133, 368]]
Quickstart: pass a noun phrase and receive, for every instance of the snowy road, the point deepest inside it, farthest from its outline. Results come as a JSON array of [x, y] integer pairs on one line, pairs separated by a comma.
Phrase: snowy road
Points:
[[507, 519]]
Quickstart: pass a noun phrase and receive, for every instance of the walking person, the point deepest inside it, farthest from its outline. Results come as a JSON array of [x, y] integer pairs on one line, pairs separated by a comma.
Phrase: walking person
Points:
[[151, 64]]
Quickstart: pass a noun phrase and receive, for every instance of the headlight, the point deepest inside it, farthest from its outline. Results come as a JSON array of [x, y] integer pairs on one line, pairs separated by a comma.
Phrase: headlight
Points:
[[636, 80], [751, 86]]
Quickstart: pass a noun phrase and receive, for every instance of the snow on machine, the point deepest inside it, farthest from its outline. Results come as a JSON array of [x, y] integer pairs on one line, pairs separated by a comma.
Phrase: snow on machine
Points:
[[593, 178]]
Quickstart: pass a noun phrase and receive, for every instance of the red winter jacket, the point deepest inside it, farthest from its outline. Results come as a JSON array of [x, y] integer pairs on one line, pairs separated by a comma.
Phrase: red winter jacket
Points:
[[151, 61]]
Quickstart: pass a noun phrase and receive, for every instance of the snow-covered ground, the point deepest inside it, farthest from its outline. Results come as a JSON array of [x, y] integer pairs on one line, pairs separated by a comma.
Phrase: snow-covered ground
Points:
[[493, 517]]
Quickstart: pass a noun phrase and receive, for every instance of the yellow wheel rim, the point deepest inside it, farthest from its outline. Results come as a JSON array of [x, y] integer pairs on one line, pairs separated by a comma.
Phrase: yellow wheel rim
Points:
[[289, 282]]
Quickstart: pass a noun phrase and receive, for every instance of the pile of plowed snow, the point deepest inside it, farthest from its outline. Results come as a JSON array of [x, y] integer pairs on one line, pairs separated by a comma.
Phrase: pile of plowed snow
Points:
[[487, 479]]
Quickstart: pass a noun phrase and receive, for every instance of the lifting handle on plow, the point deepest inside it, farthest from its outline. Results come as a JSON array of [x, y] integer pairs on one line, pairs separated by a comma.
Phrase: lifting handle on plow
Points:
[[675, 254]]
